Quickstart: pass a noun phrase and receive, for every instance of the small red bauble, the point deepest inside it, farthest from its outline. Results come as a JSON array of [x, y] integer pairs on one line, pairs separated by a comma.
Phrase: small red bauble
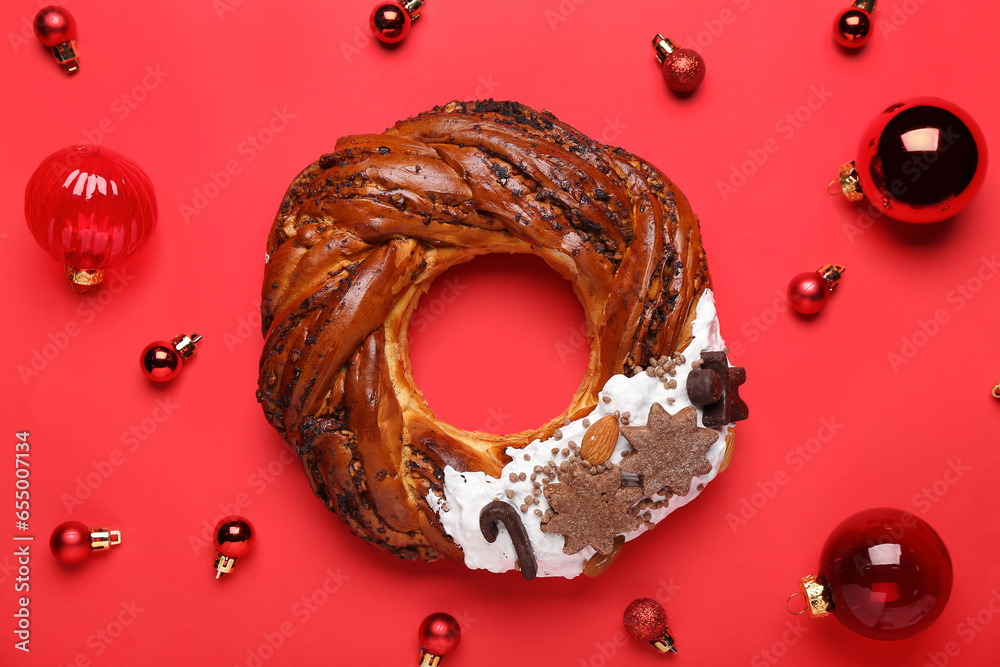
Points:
[[439, 635], [683, 69], [390, 21], [853, 26], [90, 208], [646, 621], [921, 160], [234, 537], [161, 361], [809, 292], [56, 29], [71, 542], [883, 573]]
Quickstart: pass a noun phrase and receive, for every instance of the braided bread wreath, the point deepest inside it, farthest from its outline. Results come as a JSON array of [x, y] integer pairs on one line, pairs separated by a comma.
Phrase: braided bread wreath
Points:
[[359, 237]]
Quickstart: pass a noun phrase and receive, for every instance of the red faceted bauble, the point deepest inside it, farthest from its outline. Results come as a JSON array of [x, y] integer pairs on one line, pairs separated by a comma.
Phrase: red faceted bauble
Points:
[[888, 573], [852, 28], [160, 362], [922, 160], [390, 22], [54, 25], [89, 207], [439, 634], [683, 70], [645, 620], [808, 293], [234, 536], [70, 542]]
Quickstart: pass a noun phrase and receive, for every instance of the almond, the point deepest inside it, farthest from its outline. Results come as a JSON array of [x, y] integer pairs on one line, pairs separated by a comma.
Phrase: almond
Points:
[[600, 562], [599, 441]]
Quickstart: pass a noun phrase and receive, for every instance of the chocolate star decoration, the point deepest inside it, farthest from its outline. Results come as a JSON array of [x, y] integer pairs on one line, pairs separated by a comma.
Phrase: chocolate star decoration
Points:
[[590, 509], [669, 450]]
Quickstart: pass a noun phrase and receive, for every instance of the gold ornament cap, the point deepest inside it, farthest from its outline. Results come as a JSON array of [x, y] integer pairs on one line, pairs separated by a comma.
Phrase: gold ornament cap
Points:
[[832, 274], [223, 564], [413, 8], [867, 5], [102, 538], [847, 183], [84, 279], [184, 344], [663, 46], [666, 643], [813, 589]]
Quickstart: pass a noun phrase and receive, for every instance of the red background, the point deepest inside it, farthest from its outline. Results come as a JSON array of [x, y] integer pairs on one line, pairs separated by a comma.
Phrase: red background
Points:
[[223, 75]]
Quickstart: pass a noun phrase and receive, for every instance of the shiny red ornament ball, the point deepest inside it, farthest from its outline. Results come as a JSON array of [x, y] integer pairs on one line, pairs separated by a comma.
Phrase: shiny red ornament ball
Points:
[[922, 160], [390, 22], [852, 28], [160, 362], [683, 70], [439, 634], [70, 542], [645, 620], [90, 208], [808, 293], [888, 574], [234, 536], [54, 26]]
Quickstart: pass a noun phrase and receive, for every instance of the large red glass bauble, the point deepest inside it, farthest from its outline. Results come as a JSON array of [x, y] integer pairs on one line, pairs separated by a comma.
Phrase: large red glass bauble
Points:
[[439, 634], [90, 207], [234, 536], [888, 573], [922, 160]]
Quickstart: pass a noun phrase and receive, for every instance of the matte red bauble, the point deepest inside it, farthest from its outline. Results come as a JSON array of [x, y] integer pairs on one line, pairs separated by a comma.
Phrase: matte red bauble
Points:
[[56, 29], [234, 538], [71, 542], [920, 160], [809, 292], [390, 21], [853, 26], [439, 635], [90, 208], [883, 573]]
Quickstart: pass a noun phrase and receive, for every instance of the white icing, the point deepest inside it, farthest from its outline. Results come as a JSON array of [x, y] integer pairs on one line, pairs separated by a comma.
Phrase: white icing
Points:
[[466, 493]]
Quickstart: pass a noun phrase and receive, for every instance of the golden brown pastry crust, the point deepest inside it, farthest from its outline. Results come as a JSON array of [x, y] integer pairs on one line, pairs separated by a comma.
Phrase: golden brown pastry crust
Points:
[[363, 231]]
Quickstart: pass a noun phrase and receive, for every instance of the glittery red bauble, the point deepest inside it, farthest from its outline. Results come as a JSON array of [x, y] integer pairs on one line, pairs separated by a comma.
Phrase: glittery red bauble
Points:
[[888, 573], [390, 22], [645, 620], [683, 70], [234, 536], [808, 293], [70, 542], [922, 160], [439, 634], [54, 25]]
